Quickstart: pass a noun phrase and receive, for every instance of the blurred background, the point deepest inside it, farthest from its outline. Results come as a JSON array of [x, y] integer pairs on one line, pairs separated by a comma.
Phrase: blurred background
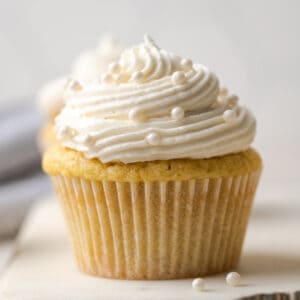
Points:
[[253, 47]]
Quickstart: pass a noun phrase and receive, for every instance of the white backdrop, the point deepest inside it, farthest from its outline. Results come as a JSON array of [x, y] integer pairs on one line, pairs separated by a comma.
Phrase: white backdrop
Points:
[[253, 46]]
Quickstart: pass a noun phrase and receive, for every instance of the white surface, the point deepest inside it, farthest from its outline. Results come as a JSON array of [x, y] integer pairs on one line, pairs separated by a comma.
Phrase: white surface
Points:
[[252, 45], [43, 267], [6, 250]]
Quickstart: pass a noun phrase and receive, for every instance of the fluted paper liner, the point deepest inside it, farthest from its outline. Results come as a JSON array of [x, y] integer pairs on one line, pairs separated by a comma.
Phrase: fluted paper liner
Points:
[[157, 230]]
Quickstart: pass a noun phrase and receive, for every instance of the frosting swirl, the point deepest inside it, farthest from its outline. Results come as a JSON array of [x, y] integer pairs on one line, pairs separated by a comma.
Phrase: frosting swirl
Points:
[[88, 67], [154, 105], [91, 63], [51, 97]]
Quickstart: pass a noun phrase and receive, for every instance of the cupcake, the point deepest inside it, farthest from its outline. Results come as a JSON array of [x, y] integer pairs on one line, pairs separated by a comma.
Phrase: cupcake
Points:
[[154, 169], [88, 67]]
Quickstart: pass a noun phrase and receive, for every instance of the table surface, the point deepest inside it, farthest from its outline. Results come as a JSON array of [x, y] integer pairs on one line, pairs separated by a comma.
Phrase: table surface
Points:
[[43, 266]]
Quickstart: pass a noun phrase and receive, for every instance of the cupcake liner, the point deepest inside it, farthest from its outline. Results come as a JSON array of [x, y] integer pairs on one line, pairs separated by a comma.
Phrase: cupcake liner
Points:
[[157, 229]]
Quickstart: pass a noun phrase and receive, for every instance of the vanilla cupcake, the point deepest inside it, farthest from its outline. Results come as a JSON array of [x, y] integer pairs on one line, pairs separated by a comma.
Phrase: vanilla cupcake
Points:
[[88, 67], [154, 169]]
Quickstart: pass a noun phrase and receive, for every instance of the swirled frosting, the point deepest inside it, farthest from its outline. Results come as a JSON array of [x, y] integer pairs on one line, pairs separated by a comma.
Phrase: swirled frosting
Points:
[[51, 97], [153, 105], [88, 67], [91, 63]]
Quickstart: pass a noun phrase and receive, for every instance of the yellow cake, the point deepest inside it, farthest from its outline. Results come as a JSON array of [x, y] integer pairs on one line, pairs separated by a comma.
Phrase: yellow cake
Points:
[[154, 169]]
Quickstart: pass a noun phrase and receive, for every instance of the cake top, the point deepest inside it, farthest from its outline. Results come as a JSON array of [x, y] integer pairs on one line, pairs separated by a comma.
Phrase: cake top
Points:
[[153, 105], [87, 67]]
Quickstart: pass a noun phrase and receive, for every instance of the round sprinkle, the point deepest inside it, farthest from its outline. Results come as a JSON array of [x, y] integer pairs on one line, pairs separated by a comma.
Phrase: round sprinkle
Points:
[[114, 67], [186, 63], [223, 92], [74, 85], [229, 115], [153, 138], [178, 77], [136, 115], [137, 76], [106, 78], [198, 284], [233, 279], [177, 113], [232, 99]]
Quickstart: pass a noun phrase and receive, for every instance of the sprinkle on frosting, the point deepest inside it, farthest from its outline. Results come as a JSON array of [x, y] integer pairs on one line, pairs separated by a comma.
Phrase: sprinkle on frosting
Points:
[[178, 77], [229, 115], [133, 112], [177, 113], [136, 115], [153, 139]]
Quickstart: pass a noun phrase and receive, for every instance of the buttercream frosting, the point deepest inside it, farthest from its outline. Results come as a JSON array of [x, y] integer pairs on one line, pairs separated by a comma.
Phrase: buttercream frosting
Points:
[[154, 105], [92, 63], [87, 67], [51, 97]]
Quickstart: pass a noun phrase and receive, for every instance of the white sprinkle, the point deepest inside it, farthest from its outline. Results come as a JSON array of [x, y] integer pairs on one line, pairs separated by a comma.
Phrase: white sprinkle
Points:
[[178, 77], [153, 138], [229, 115], [198, 284], [233, 279], [114, 67], [106, 78], [186, 63], [136, 115], [137, 76], [74, 85], [232, 100], [177, 113]]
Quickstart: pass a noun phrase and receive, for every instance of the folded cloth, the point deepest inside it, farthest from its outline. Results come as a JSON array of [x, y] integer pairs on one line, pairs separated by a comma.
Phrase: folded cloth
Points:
[[21, 179]]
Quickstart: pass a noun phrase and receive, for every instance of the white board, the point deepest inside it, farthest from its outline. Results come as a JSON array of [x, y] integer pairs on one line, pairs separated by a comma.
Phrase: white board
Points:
[[43, 265]]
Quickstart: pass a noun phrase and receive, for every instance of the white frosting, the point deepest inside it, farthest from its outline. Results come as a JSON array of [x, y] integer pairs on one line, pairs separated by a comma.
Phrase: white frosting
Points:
[[154, 105], [87, 67], [51, 97], [92, 63]]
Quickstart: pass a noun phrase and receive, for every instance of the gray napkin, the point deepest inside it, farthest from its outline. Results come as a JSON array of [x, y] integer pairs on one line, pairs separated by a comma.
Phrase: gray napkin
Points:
[[21, 178]]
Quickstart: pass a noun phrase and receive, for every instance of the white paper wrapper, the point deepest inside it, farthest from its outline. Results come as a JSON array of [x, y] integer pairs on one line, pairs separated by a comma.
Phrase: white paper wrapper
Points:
[[157, 230]]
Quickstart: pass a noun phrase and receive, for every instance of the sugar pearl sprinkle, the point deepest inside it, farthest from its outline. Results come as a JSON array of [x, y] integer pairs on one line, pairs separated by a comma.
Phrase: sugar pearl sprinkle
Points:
[[178, 77], [186, 64], [198, 284], [233, 279], [229, 115], [136, 115], [153, 138], [177, 113]]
